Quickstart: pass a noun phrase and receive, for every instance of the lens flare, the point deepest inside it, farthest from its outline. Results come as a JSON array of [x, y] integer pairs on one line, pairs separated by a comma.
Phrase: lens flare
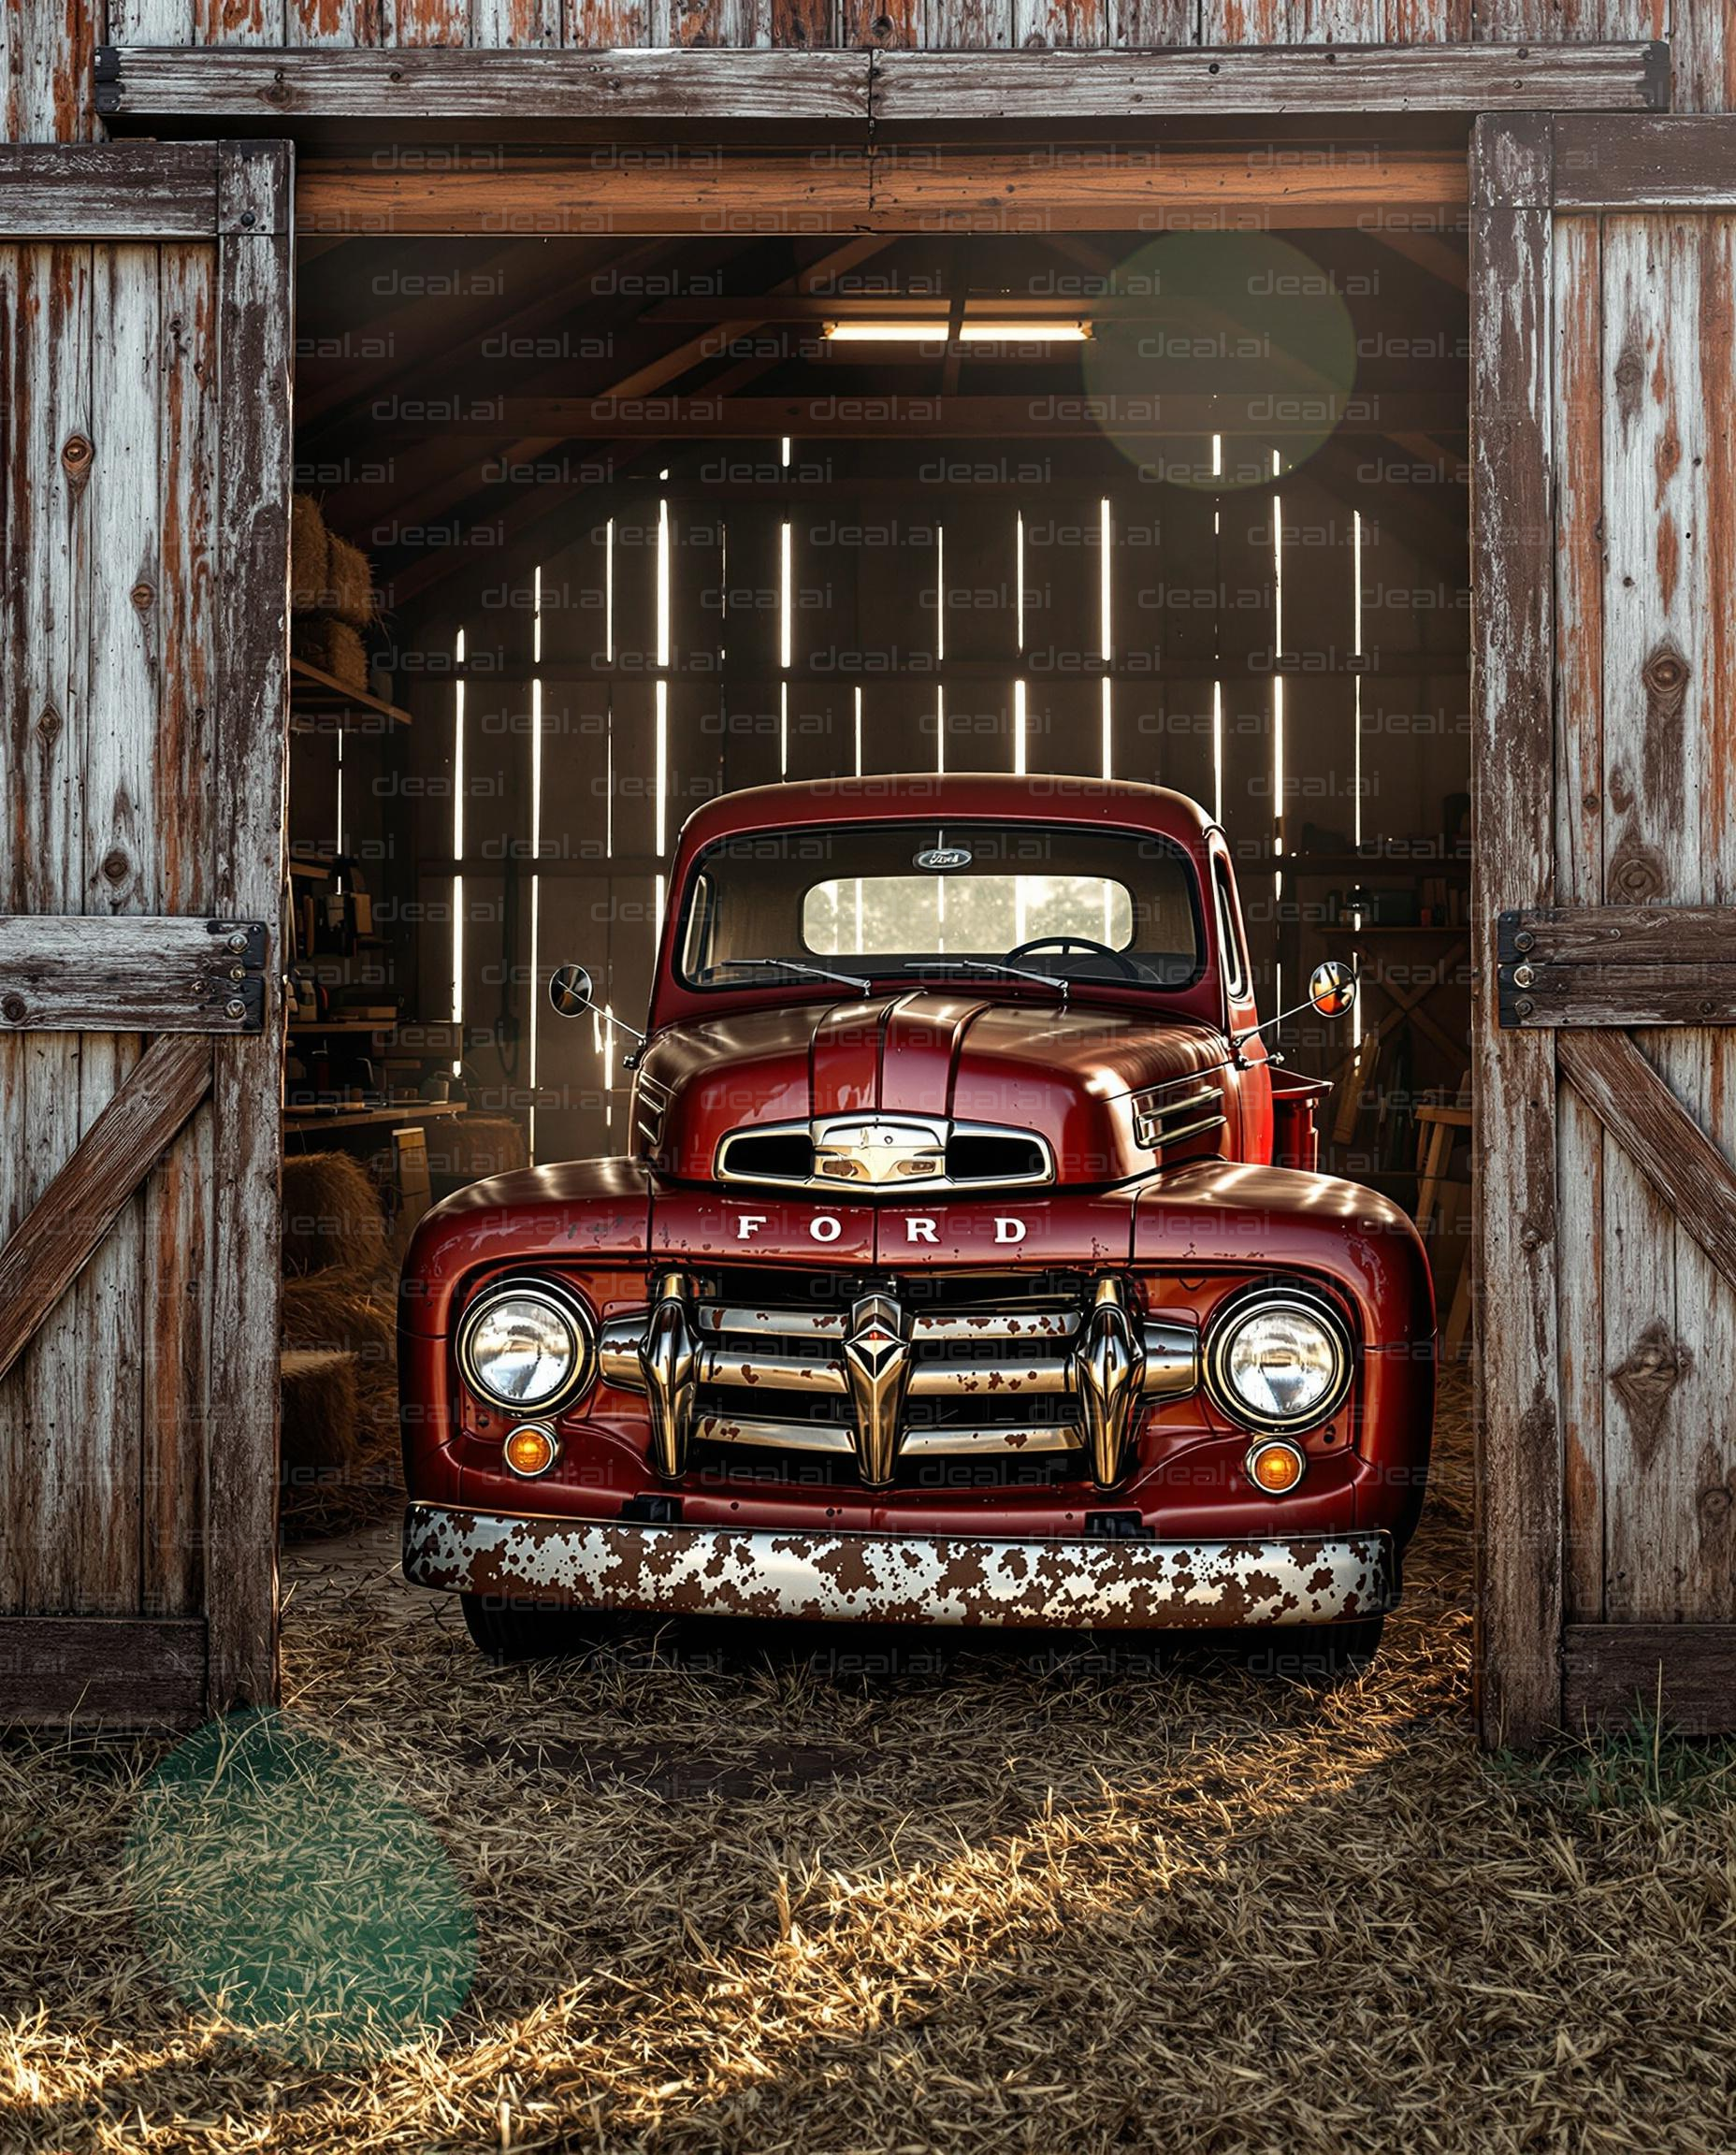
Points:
[[1267, 327], [280, 1884]]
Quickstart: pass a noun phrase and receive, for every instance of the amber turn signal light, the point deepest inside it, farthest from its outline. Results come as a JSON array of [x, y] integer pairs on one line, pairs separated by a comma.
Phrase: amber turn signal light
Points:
[[1275, 1468], [530, 1450]]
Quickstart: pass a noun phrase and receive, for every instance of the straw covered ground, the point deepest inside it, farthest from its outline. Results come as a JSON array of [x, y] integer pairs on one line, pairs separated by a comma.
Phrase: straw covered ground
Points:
[[712, 1891]]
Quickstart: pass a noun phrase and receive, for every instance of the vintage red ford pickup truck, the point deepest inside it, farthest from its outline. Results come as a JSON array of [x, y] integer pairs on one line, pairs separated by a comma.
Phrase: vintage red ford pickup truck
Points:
[[969, 1264]]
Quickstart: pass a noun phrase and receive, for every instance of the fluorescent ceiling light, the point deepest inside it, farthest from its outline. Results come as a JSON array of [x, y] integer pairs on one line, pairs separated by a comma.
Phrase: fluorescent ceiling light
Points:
[[984, 332], [1024, 332]]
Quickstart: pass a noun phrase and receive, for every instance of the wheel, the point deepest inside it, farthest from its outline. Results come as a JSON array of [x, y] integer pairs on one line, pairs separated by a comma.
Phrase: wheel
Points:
[[1324, 1654], [524, 1630]]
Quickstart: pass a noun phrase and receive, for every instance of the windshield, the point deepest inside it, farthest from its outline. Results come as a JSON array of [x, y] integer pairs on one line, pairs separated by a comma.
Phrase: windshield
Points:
[[1059, 903]]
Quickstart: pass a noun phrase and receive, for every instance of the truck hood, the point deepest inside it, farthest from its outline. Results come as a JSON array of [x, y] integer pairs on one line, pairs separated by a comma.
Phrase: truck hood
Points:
[[1075, 1078]]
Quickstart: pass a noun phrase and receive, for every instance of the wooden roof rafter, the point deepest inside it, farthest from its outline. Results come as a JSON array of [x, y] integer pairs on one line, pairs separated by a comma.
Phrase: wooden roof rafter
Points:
[[533, 505]]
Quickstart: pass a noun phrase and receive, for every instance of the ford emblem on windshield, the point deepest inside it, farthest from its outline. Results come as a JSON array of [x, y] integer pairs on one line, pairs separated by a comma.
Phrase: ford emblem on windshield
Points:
[[944, 857]]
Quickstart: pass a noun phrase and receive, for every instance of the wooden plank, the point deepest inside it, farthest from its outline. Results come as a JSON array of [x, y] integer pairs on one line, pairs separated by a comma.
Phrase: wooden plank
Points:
[[57, 1237], [696, 192], [177, 1194], [1518, 1421], [45, 660], [1620, 993], [868, 22], [1057, 87], [133, 972], [705, 417], [1013, 190], [1614, 1674], [1703, 48], [1167, 730], [109, 191], [1063, 645], [705, 24], [621, 87], [606, 25], [253, 522], [1669, 162], [1061, 73], [516, 24], [412, 24], [102, 1455], [129, 1672], [44, 71], [1578, 361], [964, 190], [1153, 21], [573, 1083], [980, 613], [1665, 792], [1317, 735], [1699, 1066], [1627, 964], [1634, 1104], [340, 22], [1246, 562]]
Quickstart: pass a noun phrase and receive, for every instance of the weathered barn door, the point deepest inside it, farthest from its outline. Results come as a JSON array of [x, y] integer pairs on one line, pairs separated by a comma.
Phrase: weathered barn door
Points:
[[144, 396], [1605, 576]]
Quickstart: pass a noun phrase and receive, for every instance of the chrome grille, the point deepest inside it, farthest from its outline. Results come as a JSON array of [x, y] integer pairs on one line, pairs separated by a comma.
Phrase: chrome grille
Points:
[[884, 1380]]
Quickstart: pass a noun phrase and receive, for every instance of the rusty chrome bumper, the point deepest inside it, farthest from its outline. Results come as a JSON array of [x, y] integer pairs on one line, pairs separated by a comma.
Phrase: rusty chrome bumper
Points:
[[901, 1578]]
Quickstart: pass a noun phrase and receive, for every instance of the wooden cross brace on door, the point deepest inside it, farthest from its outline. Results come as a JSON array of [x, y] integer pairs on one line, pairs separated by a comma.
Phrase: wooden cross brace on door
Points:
[[1590, 972], [185, 980]]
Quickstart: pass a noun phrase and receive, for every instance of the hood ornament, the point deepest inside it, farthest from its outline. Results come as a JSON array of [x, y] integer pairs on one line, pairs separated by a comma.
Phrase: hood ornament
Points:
[[880, 1150], [876, 1362]]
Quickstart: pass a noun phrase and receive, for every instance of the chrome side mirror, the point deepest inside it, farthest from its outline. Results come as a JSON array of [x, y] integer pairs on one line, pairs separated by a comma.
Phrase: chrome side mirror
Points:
[[1332, 987], [570, 990]]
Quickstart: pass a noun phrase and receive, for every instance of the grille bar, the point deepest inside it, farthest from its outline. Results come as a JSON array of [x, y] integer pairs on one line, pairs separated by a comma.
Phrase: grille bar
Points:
[[707, 1366]]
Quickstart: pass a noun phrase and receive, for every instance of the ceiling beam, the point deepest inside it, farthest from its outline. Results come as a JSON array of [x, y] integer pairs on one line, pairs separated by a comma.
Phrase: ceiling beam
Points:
[[657, 88], [1059, 415]]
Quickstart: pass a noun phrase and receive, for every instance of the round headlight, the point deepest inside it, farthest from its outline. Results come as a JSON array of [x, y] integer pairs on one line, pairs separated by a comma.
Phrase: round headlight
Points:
[[1279, 1360], [524, 1343]]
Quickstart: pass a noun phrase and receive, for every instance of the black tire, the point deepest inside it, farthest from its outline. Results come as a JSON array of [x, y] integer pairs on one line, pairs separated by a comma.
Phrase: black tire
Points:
[[526, 1630], [1320, 1655]]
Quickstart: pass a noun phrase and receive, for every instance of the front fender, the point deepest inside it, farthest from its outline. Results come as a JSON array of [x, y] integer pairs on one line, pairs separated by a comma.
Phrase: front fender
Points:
[[1215, 1213], [579, 1209]]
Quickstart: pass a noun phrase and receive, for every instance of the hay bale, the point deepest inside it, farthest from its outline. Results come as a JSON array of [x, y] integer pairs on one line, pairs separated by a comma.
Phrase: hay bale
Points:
[[467, 1148], [333, 1219], [333, 646], [346, 656], [349, 582], [355, 1310], [362, 1490], [309, 564], [319, 1396]]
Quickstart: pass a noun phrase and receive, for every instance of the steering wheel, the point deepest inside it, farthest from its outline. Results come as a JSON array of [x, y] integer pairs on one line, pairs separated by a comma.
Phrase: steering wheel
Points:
[[1088, 943]]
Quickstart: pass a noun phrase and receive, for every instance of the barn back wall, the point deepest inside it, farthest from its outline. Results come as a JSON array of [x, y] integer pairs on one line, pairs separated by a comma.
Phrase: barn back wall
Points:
[[46, 84]]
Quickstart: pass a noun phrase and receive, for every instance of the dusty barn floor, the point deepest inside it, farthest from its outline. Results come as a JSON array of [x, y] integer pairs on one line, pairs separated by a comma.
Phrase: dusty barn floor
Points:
[[702, 1895]]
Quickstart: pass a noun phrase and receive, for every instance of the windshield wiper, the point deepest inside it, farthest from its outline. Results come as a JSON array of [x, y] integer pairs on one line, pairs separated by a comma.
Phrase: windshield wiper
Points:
[[986, 965], [795, 966]]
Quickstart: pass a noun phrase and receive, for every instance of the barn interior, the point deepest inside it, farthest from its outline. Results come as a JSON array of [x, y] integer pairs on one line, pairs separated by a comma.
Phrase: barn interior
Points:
[[589, 530]]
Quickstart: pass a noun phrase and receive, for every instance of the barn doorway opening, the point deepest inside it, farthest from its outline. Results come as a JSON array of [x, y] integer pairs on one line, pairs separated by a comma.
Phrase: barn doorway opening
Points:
[[610, 526]]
